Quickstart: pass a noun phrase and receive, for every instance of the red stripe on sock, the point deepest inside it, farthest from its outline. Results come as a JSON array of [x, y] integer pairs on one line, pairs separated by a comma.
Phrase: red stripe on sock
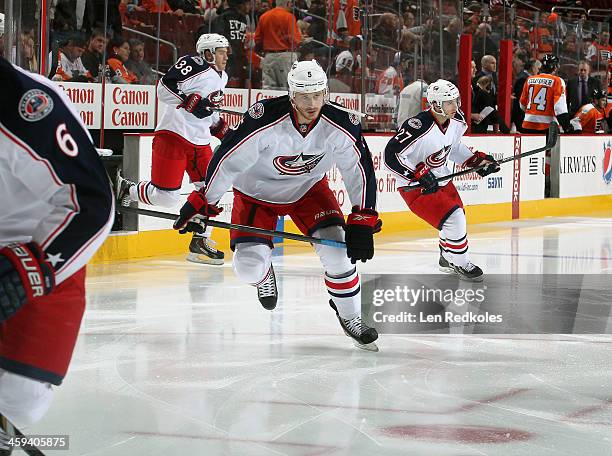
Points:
[[342, 286]]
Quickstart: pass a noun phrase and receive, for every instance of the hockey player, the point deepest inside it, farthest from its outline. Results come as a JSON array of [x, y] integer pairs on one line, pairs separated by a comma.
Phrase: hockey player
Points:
[[590, 118], [190, 89], [418, 154], [57, 209], [276, 161], [543, 98]]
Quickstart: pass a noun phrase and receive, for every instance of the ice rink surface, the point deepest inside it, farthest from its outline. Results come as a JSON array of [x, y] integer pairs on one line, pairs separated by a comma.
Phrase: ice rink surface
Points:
[[176, 358]]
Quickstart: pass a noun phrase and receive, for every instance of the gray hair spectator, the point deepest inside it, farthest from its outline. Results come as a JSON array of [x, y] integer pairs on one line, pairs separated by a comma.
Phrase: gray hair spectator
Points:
[[137, 65]]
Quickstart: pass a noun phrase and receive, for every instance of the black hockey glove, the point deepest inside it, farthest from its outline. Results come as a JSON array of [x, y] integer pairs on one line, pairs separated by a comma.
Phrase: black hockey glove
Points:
[[198, 106], [360, 228], [196, 204], [24, 275], [426, 178], [480, 158]]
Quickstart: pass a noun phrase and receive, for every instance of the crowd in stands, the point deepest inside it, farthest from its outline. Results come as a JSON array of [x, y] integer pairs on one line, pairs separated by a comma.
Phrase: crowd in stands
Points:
[[407, 42]]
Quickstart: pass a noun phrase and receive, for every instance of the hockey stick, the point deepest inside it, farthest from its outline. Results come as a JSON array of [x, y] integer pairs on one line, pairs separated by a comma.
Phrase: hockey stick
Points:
[[5, 427], [233, 226], [553, 136]]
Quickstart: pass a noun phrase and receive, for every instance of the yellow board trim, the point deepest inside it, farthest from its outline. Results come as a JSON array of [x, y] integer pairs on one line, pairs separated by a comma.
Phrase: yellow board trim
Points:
[[135, 246]]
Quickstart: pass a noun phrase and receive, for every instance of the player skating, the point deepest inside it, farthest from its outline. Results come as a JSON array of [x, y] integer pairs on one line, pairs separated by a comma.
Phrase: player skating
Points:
[[190, 89], [418, 154], [57, 209], [276, 161]]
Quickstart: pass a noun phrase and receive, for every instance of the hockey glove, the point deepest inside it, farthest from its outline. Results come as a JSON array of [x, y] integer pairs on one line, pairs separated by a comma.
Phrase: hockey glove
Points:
[[219, 129], [360, 227], [24, 275], [480, 158], [426, 178], [198, 106], [196, 205]]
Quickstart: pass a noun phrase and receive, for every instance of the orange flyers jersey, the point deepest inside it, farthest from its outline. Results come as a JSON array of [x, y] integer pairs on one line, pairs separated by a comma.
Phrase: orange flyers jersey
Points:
[[542, 99], [588, 119]]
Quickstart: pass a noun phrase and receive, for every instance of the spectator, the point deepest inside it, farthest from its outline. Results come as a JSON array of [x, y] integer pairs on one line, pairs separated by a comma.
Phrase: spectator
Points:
[[118, 51], [483, 44], [488, 65], [278, 35], [350, 58], [71, 16], [390, 81], [531, 69], [318, 26], [109, 10], [69, 65], [342, 82], [137, 65], [28, 53], [600, 51], [156, 6], [450, 38], [232, 24], [484, 104], [184, 6], [92, 57], [580, 88]]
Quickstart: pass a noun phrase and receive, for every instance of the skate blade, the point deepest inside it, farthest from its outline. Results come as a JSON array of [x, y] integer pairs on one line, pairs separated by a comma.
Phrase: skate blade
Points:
[[446, 270], [372, 347], [475, 279], [203, 259]]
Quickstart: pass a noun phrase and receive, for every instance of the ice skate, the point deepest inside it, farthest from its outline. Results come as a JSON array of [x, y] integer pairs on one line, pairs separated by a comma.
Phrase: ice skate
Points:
[[469, 273], [6, 432], [363, 336], [122, 190], [267, 292], [202, 250], [444, 265]]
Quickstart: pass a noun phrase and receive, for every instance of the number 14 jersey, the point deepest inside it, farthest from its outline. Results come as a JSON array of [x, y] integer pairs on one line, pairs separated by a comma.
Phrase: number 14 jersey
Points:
[[543, 99]]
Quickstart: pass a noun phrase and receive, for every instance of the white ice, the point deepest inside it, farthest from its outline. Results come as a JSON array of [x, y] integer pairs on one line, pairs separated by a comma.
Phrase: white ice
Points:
[[176, 358]]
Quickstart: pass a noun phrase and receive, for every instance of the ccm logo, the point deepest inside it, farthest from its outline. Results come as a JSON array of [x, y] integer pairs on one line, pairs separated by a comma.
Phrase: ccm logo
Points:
[[32, 272]]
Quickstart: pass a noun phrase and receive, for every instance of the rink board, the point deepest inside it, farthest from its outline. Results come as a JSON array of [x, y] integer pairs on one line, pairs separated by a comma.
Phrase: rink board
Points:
[[514, 190]]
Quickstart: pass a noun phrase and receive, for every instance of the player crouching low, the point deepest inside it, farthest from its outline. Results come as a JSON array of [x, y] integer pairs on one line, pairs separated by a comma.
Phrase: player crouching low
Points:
[[276, 161], [417, 155]]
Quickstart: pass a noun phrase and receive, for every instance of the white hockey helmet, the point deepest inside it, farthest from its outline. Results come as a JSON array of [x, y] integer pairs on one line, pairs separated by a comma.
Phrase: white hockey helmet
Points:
[[307, 76], [210, 42], [1, 24], [439, 91]]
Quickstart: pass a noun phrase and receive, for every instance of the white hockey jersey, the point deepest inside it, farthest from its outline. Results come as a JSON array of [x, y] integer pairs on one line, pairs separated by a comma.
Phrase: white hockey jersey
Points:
[[422, 139], [190, 74], [271, 158], [53, 187]]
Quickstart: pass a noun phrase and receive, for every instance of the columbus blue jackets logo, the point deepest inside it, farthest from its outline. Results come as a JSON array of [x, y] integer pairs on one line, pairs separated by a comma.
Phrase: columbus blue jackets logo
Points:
[[438, 159], [415, 123], [297, 164], [607, 163], [256, 111], [35, 105], [216, 97]]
